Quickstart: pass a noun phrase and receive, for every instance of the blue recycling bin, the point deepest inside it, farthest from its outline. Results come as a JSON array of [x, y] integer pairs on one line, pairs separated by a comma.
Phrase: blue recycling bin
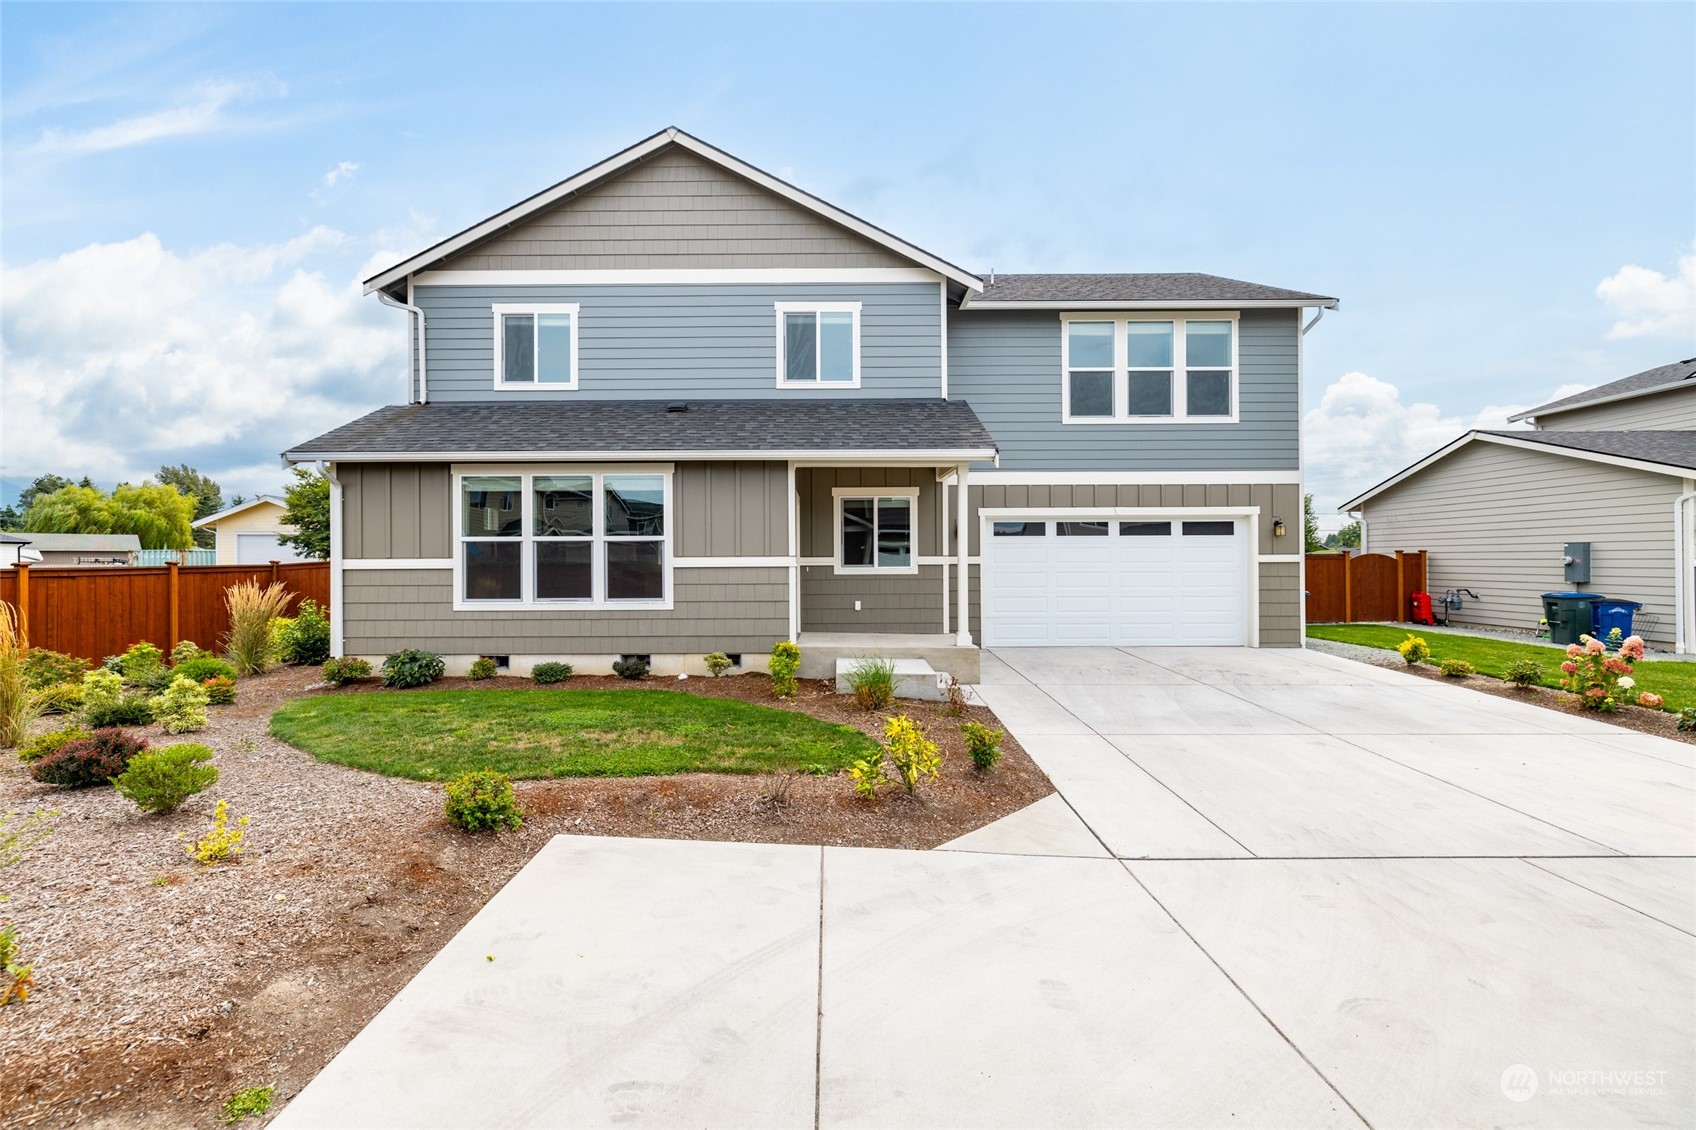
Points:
[[1606, 615]]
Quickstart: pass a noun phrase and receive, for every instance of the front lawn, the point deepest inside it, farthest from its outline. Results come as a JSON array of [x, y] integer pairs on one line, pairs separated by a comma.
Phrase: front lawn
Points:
[[433, 735], [1673, 680]]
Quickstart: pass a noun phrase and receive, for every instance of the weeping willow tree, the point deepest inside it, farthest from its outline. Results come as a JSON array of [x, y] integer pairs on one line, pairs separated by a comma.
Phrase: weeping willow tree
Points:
[[160, 516]]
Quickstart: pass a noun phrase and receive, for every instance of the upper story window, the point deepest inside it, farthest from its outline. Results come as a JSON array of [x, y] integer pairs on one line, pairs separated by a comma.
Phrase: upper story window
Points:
[[1148, 368], [874, 530], [536, 346], [818, 345]]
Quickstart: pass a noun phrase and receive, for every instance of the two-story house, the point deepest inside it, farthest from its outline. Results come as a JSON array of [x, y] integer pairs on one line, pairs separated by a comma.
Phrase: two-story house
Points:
[[674, 405], [1612, 468]]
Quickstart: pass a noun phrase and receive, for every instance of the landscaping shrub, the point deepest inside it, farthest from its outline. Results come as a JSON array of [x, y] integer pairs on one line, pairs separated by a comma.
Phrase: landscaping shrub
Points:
[[914, 756], [784, 663], [185, 651], [954, 693], [44, 668], [221, 842], [551, 672], [305, 639], [482, 801], [248, 642], [113, 663], [341, 672], [93, 760], [1525, 673], [1650, 700], [220, 691], [131, 710], [182, 708], [18, 704], [1455, 668], [412, 668], [717, 663], [51, 742], [247, 1101], [868, 773], [873, 683], [203, 667], [101, 687], [158, 780], [631, 667], [1687, 719], [65, 698], [483, 668], [983, 743], [1596, 677], [1414, 651], [140, 662], [15, 977]]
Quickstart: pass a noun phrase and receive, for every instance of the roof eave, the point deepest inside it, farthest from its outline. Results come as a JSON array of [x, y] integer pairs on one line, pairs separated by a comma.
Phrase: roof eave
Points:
[[917, 457], [1158, 304], [1555, 408]]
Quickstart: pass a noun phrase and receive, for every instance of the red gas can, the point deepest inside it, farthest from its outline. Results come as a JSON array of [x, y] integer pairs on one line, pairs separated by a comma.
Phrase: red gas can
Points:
[[1422, 608]]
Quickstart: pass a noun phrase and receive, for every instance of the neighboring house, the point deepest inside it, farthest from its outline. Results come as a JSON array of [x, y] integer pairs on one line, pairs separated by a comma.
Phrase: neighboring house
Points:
[[13, 549], [83, 549], [249, 533], [1613, 466], [674, 405]]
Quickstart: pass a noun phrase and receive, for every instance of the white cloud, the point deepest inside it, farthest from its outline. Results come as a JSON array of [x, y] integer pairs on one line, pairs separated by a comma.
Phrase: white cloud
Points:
[[1650, 304], [202, 111], [343, 171], [119, 357]]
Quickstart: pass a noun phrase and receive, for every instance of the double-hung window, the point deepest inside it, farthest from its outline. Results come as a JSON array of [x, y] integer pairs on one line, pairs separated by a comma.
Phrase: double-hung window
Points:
[[1154, 368], [536, 346], [818, 345], [874, 530], [563, 538]]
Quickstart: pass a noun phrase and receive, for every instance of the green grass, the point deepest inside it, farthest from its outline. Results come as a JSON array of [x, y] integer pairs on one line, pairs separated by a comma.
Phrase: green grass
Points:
[[1672, 680], [434, 735]]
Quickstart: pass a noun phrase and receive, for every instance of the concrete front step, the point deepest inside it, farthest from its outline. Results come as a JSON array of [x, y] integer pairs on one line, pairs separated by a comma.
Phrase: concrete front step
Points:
[[914, 678]]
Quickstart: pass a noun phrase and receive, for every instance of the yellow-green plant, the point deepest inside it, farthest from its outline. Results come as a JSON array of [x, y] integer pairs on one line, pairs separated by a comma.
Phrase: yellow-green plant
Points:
[[101, 687], [785, 662], [182, 708], [1455, 668], [19, 705], [158, 780], [247, 1101], [1414, 651], [717, 663], [868, 774], [248, 644], [983, 743], [914, 756], [16, 978], [223, 841]]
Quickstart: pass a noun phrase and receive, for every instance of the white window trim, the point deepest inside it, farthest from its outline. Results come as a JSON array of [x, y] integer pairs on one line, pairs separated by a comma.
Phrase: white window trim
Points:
[[911, 494], [782, 308], [500, 308], [1178, 318], [527, 558]]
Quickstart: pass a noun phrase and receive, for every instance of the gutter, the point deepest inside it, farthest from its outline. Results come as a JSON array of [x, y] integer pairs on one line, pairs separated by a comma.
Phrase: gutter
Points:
[[1682, 572], [423, 387]]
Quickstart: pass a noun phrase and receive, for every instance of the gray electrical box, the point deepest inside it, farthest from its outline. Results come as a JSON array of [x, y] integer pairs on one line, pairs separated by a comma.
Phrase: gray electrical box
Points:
[[1577, 558]]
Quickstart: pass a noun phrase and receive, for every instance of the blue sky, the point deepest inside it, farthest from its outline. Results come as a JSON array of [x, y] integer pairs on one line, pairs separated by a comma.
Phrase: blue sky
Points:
[[1504, 197]]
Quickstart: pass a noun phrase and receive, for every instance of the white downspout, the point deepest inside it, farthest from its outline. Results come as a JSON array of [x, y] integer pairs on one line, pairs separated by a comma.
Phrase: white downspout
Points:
[[338, 607], [423, 388], [1683, 572]]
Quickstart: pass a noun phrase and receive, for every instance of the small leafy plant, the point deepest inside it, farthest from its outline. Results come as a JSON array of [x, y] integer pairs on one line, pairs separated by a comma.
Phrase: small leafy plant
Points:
[[482, 801], [717, 663], [868, 775], [1414, 651], [1455, 668], [222, 841], [15, 977], [93, 760], [631, 667], [101, 687], [914, 756], [140, 661], [412, 668], [51, 742], [247, 1102], [1687, 719], [983, 743], [551, 672], [131, 710], [482, 668], [220, 691], [341, 672], [203, 667], [44, 668], [1525, 673], [158, 780], [182, 708], [305, 640], [873, 683], [185, 651], [954, 694], [61, 698], [784, 664]]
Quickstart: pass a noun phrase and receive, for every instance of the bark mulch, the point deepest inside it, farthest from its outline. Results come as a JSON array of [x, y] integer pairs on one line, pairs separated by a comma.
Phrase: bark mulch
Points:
[[162, 987]]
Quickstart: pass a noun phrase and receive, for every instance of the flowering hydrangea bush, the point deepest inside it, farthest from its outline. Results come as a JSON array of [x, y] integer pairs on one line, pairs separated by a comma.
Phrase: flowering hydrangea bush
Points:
[[1597, 678]]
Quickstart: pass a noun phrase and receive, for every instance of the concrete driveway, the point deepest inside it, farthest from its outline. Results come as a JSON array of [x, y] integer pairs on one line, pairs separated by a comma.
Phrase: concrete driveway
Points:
[[1275, 889]]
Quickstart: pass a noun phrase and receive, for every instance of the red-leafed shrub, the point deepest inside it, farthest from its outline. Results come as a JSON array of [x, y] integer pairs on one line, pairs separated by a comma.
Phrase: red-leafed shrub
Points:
[[92, 761]]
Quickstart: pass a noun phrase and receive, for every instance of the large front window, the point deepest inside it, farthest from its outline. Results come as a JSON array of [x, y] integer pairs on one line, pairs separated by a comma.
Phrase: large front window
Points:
[[1148, 369], [874, 532], [564, 538]]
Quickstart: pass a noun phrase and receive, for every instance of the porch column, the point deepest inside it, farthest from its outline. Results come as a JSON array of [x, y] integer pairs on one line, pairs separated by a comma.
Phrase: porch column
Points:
[[962, 543]]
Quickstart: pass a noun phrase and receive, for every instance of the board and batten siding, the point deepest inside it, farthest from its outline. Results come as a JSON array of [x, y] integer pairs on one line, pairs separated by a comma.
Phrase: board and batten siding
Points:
[[899, 604], [674, 210], [1494, 519], [1673, 411], [396, 510], [1006, 364], [684, 340]]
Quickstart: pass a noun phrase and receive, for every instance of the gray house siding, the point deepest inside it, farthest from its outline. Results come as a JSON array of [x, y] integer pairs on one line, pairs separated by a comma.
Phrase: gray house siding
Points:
[[1006, 364], [1494, 519], [674, 211], [888, 604], [392, 510], [1664, 411], [685, 340]]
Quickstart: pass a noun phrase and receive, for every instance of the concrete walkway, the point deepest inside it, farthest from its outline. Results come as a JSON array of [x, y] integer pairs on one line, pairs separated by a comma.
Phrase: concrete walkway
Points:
[[1275, 889]]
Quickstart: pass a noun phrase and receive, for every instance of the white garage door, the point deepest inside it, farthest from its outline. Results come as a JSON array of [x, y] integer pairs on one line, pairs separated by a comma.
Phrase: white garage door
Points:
[[261, 549], [1173, 581]]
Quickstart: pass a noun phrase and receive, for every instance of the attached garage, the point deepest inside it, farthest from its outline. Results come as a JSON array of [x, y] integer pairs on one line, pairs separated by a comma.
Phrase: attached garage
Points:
[[262, 549], [1058, 581]]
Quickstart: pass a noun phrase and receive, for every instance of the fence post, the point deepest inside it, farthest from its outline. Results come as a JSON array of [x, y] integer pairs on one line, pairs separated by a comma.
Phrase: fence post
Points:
[[176, 634], [1348, 587], [23, 605], [275, 566], [1401, 586]]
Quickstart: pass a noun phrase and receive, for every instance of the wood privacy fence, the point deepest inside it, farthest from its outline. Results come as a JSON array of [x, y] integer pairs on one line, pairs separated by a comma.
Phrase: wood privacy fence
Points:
[[1365, 586], [95, 612]]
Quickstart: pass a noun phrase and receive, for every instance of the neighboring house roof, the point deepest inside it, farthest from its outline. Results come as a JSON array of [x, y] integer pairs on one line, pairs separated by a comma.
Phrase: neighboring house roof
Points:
[[1649, 381], [257, 500], [1660, 452], [85, 543], [656, 429], [1041, 292], [642, 150], [12, 539]]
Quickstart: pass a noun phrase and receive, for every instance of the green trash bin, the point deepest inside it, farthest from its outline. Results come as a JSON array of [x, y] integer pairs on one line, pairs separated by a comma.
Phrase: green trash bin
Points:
[[1569, 614]]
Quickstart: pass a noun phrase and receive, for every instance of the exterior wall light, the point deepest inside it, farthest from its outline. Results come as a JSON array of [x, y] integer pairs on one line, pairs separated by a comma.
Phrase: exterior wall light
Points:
[[1278, 528]]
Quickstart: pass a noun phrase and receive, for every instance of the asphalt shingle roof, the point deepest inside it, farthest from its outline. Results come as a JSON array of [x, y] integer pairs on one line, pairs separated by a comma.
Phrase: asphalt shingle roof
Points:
[[1638, 382], [1675, 449], [85, 543], [1135, 288], [630, 426]]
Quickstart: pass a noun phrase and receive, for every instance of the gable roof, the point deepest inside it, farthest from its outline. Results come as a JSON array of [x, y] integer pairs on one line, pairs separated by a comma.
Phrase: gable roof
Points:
[[256, 500], [85, 543], [12, 539], [1659, 452], [1658, 379], [1043, 292], [642, 150], [656, 429]]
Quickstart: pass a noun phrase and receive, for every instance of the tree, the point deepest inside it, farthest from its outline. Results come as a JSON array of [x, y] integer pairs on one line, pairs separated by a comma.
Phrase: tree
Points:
[[1310, 526], [1348, 537], [10, 519], [158, 515], [43, 485], [308, 510], [208, 496]]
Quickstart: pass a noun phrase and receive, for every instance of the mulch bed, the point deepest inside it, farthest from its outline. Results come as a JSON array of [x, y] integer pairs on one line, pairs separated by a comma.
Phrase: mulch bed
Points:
[[162, 987], [1658, 722]]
